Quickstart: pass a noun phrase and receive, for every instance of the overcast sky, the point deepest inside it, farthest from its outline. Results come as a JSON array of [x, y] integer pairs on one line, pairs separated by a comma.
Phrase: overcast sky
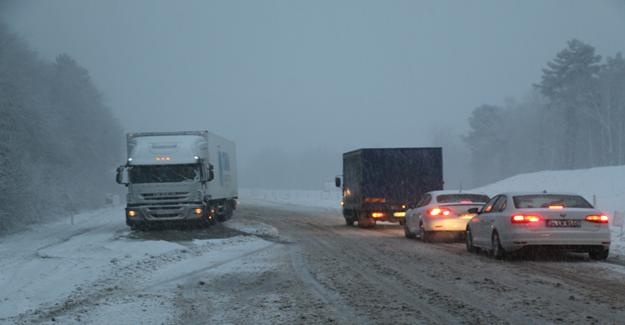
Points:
[[297, 74]]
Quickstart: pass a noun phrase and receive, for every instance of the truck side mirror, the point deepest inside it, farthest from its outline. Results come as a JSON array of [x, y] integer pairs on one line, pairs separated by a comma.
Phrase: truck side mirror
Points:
[[119, 178], [337, 181]]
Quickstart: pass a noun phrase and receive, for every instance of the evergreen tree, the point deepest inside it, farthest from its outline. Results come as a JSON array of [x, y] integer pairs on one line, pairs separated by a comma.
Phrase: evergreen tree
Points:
[[570, 84], [486, 142], [612, 90]]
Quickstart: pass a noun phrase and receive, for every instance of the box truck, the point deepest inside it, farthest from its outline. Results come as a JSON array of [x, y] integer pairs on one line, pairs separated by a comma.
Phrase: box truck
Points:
[[172, 177], [381, 184]]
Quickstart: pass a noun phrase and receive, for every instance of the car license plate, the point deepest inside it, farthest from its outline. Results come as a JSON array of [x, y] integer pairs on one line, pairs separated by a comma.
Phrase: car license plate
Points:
[[467, 216], [564, 223]]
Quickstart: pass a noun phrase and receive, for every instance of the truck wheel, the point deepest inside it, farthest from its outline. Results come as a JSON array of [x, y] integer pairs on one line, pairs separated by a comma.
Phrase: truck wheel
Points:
[[231, 206], [365, 222], [349, 221]]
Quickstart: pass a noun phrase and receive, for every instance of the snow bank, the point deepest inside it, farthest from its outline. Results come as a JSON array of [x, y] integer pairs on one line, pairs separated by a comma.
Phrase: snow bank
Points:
[[607, 184]]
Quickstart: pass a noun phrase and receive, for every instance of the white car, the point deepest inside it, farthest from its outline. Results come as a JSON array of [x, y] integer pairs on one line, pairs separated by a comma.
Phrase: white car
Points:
[[511, 221], [441, 211]]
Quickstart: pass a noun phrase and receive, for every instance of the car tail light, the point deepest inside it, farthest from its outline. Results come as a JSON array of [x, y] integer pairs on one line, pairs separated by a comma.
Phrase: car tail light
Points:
[[520, 218], [597, 218], [439, 212]]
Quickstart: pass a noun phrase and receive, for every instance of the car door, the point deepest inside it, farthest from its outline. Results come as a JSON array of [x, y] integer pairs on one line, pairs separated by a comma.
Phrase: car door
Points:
[[497, 215], [412, 221], [479, 223]]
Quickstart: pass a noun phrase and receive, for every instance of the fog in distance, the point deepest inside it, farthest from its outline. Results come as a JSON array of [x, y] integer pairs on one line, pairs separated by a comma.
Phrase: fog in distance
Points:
[[296, 83]]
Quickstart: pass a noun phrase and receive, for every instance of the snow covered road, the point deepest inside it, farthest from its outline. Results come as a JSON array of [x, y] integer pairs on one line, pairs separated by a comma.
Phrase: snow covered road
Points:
[[301, 265]]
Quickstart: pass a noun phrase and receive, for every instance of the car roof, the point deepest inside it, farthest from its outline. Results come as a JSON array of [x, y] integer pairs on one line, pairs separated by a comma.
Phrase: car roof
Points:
[[536, 193], [442, 192]]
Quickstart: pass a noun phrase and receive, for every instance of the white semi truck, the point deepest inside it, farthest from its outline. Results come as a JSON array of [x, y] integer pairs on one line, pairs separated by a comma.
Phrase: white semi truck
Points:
[[179, 177]]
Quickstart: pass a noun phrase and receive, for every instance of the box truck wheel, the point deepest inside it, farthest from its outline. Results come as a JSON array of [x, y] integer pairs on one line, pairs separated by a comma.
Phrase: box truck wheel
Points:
[[364, 221]]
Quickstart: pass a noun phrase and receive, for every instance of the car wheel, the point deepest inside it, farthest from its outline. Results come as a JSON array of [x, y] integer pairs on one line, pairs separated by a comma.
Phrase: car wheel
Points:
[[496, 249], [425, 236], [407, 232], [402, 222], [469, 241], [599, 254]]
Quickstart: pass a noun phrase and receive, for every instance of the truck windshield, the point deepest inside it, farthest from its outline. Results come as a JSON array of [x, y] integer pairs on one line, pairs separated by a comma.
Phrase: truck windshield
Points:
[[164, 174]]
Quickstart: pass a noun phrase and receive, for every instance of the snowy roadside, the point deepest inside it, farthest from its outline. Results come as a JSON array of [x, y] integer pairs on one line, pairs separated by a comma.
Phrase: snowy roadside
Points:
[[328, 199], [97, 270]]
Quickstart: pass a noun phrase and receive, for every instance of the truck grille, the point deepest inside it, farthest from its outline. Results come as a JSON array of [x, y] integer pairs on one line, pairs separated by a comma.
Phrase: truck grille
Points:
[[165, 212], [171, 196]]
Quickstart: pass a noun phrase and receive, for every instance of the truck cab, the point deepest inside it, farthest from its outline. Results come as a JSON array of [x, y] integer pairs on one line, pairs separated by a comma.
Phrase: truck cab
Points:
[[170, 176]]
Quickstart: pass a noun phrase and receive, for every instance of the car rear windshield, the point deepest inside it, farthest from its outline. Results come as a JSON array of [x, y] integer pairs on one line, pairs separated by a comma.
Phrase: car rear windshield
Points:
[[462, 198], [550, 200]]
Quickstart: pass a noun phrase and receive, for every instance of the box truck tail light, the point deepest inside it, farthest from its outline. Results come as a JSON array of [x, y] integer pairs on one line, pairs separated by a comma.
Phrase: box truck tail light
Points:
[[375, 200], [519, 218], [597, 218], [439, 212], [377, 214]]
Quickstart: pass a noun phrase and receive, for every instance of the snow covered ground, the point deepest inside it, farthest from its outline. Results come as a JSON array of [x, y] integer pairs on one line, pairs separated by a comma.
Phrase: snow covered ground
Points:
[[95, 270]]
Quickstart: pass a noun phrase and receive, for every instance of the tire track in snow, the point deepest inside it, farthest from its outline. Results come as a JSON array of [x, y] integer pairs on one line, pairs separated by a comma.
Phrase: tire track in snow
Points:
[[122, 283]]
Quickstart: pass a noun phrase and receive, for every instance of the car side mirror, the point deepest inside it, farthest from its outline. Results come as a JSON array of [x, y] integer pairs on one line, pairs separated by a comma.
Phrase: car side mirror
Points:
[[337, 181], [474, 210]]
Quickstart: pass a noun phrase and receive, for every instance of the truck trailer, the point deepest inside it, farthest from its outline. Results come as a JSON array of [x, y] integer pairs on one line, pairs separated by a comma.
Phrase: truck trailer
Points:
[[380, 184], [178, 177]]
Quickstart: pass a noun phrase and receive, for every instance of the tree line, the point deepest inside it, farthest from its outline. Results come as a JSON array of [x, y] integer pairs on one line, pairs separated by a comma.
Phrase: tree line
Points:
[[574, 117], [59, 142]]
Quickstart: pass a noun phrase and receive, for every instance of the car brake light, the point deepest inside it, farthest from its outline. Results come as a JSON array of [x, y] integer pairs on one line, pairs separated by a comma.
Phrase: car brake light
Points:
[[434, 212], [597, 218], [556, 207], [519, 218]]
